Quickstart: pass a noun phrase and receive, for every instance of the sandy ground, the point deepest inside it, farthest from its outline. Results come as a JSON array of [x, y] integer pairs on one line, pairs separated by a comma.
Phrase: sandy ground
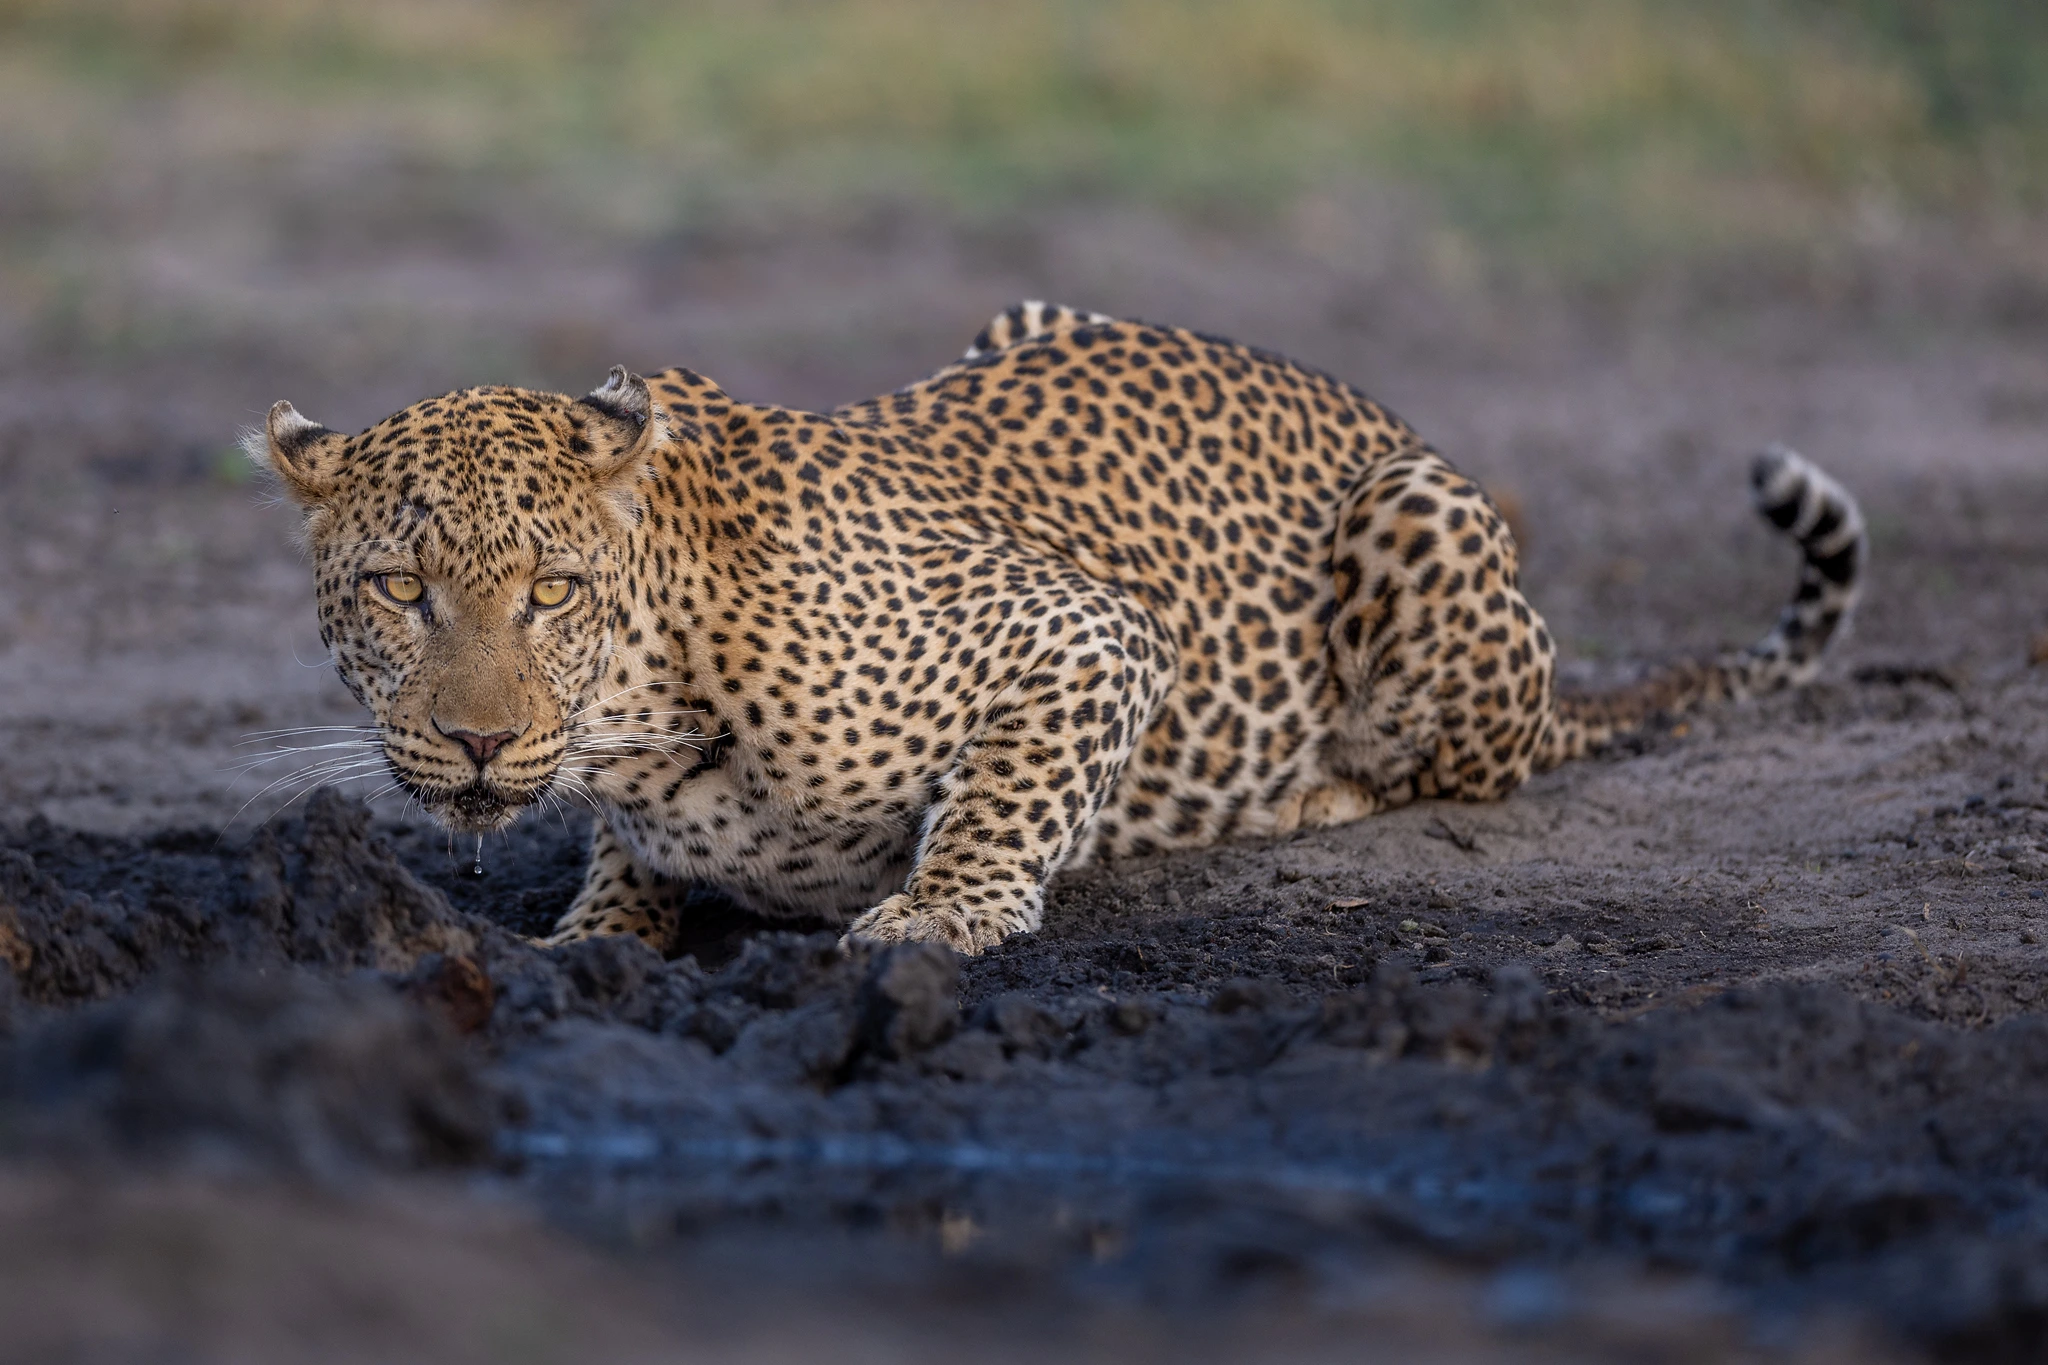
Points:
[[1863, 865]]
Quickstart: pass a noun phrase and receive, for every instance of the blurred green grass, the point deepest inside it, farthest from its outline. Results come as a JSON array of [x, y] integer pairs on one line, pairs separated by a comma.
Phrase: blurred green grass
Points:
[[1579, 135]]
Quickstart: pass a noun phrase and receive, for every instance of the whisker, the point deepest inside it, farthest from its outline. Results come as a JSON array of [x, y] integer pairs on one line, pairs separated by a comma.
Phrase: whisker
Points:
[[250, 764], [324, 767], [296, 796], [577, 787], [637, 751], [313, 775], [254, 736], [553, 804], [630, 751], [636, 687], [636, 729], [618, 735], [355, 741]]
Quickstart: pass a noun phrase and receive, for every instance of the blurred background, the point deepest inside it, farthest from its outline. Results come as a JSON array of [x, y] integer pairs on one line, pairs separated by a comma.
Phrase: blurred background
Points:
[[1595, 249]]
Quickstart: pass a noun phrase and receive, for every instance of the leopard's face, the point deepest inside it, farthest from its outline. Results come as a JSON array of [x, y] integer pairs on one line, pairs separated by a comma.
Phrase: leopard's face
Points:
[[469, 556]]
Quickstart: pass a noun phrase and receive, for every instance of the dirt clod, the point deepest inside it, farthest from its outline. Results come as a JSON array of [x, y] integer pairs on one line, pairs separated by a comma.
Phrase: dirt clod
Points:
[[455, 986], [908, 1000]]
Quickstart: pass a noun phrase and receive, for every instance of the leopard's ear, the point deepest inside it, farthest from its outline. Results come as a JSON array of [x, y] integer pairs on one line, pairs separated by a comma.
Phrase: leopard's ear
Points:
[[624, 426], [304, 454]]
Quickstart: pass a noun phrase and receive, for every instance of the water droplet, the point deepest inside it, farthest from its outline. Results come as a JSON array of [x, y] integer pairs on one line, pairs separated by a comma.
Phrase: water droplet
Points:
[[477, 870]]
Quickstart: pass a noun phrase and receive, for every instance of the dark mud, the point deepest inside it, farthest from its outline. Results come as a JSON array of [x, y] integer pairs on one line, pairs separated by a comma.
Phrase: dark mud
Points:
[[1148, 1107]]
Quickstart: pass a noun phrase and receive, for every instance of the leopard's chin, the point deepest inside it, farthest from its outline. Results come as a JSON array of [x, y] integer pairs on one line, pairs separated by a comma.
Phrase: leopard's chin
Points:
[[480, 808]]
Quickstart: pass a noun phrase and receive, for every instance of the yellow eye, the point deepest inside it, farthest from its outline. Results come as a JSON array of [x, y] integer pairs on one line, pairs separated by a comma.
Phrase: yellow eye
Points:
[[552, 592], [402, 587]]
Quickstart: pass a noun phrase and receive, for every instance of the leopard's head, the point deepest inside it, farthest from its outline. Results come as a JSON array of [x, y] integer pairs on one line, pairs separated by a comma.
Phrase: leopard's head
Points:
[[468, 556]]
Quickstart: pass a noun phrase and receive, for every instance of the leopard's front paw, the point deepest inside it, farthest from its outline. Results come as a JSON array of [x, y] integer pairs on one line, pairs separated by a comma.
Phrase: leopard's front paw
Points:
[[900, 919]]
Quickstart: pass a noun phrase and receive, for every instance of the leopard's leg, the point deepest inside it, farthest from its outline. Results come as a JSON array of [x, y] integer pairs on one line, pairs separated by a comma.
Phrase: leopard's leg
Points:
[[1025, 787], [620, 895], [1447, 673]]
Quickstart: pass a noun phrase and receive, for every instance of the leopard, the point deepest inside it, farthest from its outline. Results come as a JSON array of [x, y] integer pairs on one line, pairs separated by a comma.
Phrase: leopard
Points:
[[1097, 590]]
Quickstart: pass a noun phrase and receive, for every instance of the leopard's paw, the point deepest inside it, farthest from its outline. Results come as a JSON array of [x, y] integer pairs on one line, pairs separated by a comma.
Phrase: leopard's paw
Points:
[[900, 919]]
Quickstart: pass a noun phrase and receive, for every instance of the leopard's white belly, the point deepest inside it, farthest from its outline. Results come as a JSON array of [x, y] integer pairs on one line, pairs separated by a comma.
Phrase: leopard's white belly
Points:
[[715, 828]]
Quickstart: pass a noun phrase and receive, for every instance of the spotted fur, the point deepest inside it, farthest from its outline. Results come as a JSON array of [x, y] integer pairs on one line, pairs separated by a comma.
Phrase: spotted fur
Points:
[[1098, 589]]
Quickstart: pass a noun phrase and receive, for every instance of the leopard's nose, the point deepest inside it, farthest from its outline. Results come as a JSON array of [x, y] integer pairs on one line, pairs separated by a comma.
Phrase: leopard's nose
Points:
[[482, 748]]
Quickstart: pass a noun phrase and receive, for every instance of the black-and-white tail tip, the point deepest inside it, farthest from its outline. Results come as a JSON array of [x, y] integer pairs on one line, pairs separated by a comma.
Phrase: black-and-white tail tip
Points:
[[1801, 500]]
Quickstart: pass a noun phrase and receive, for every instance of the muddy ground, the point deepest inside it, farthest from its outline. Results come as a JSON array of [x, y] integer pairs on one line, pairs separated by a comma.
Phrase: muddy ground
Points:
[[1727, 1045]]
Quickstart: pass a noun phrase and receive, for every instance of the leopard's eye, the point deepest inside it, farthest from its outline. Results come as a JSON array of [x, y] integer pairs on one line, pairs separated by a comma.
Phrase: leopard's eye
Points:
[[552, 592], [405, 588]]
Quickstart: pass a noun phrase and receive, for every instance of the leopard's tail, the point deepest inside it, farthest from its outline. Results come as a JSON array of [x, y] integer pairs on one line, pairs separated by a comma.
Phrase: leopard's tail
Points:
[[1026, 321], [1818, 513]]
